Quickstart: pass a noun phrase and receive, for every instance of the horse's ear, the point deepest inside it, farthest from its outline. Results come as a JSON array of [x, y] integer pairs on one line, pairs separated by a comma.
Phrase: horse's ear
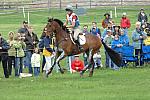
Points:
[[50, 19]]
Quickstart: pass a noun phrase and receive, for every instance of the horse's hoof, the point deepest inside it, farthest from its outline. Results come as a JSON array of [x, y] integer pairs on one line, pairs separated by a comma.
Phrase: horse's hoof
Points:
[[61, 71], [49, 72], [91, 74], [81, 74], [46, 75]]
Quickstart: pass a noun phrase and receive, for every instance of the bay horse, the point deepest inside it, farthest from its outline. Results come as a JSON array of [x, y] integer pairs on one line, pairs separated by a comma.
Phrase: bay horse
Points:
[[68, 48]]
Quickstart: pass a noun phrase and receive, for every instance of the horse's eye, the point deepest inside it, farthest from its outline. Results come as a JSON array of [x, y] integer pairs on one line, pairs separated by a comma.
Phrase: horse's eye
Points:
[[49, 25]]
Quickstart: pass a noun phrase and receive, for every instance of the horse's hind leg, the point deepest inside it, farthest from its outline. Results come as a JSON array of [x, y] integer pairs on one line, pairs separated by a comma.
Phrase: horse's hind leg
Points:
[[92, 69], [89, 55], [92, 63]]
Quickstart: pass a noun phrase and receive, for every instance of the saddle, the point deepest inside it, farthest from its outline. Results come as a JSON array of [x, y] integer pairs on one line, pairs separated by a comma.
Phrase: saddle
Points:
[[81, 38]]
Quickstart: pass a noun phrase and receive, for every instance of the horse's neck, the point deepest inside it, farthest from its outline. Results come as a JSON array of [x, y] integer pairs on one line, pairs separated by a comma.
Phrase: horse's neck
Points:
[[61, 34]]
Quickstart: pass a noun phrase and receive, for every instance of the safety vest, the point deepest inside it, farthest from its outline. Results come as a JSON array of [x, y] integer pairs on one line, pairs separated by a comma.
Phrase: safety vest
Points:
[[69, 18]]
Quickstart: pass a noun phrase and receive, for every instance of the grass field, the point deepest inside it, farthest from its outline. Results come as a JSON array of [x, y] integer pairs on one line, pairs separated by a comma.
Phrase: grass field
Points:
[[125, 84]]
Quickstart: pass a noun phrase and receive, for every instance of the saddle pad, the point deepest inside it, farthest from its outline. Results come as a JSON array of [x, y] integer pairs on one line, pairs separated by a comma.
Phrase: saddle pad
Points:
[[82, 39]]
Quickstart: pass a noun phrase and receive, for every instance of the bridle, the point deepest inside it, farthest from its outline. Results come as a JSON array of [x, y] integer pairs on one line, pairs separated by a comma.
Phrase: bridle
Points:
[[53, 35]]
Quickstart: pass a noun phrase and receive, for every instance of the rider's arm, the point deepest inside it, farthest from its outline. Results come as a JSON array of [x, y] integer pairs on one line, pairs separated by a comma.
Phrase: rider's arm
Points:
[[72, 25], [73, 22], [65, 24]]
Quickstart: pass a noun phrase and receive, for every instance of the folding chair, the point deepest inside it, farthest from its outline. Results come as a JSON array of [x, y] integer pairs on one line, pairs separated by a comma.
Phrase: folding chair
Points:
[[146, 53], [127, 53]]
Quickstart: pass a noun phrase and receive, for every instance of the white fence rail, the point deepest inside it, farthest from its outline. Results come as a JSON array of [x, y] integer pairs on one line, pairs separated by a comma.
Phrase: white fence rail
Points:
[[7, 6]]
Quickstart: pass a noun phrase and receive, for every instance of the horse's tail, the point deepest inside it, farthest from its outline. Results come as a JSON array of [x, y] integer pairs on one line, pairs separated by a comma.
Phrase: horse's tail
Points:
[[115, 57]]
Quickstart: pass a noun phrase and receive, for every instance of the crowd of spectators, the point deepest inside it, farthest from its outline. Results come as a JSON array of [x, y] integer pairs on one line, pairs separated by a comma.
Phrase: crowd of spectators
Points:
[[22, 49]]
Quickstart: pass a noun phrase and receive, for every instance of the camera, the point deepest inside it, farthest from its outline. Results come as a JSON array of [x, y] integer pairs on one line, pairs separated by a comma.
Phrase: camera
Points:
[[139, 31]]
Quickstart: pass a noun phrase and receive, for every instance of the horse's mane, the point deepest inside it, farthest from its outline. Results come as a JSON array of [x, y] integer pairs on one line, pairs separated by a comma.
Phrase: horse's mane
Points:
[[60, 23]]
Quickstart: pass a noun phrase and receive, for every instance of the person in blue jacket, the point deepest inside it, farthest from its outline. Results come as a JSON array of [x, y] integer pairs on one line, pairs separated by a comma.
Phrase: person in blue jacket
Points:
[[96, 31], [124, 39], [137, 37], [48, 53], [116, 45]]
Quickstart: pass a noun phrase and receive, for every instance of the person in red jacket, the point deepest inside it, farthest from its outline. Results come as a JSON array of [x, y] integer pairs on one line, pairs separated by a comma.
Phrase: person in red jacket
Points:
[[77, 64], [125, 23]]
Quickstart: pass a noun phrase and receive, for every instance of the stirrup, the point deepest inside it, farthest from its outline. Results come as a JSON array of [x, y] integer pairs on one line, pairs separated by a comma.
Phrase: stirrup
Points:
[[80, 48], [78, 45]]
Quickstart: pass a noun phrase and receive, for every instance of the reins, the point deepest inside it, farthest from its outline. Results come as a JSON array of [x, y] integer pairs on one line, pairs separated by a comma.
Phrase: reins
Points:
[[64, 38]]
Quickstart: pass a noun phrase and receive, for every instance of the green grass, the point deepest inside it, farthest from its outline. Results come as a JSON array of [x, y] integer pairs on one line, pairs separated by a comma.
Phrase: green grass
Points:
[[125, 84]]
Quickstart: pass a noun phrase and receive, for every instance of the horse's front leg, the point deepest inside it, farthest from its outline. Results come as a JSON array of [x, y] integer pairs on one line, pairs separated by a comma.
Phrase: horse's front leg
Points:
[[52, 67], [62, 56], [56, 63]]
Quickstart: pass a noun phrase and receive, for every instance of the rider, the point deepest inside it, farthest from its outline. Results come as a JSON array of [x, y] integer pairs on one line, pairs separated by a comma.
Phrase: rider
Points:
[[73, 19]]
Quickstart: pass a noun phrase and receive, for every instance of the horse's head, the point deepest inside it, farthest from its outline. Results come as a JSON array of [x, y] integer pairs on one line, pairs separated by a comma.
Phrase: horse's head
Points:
[[50, 27], [54, 25]]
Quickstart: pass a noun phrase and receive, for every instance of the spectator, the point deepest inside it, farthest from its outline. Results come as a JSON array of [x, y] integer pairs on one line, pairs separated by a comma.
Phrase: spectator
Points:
[[11, 52], [41, 46], [124, 39], [146, 27], [24, 29], [125, 23], [47, 52], [142, 17], [85, 29], [116, 45], [143, 26], [97, 60], [109, 27], [77, 64], [19, 45], [147, 40], [137, 37], [31, 41], [96, 31], [116, 30], [4, 46], [147, 30], [108, 39], [106, 20], [35, 61]]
